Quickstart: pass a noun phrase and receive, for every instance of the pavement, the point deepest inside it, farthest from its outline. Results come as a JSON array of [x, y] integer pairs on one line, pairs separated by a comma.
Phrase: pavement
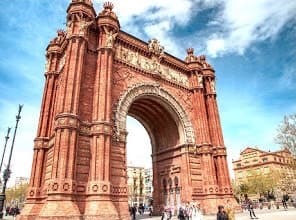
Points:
[[264, 214]]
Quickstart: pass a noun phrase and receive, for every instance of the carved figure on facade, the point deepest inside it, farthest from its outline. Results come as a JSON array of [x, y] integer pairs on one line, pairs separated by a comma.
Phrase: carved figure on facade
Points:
[[155, 66], [110, 37], [83, 25], [62, 62], [186, 99], [199, 80], [190, 56], [61, 35], [122, 75], [154, 47], [213, 87], [47, 64], [136, 59], [203, 62]]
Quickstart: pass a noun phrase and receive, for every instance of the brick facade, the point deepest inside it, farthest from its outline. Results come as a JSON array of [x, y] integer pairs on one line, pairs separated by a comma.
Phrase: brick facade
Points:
[[96, 75]]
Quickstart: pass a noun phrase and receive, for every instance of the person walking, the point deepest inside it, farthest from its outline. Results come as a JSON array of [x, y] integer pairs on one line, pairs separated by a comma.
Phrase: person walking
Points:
[[251, 209], [229, 210], [284, 201], [221, 214], [196, 213], [181, 215], [133, 212]]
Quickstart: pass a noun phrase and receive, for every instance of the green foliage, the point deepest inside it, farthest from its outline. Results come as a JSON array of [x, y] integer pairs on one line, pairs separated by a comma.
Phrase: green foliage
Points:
[[258, 183], [17, 193]]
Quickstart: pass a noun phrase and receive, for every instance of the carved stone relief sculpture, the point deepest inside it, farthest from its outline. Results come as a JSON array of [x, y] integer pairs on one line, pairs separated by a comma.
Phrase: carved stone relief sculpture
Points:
[[83, 25], [62, 62], [154, 47], [110, 37], [152, 65], [213, 87], [199, 80]]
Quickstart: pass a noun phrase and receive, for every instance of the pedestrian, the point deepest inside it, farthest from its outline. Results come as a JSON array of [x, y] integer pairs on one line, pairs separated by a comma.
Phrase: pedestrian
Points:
[[251, 209], [169, 213], [164, 215], [229, 210], [150, 210], [196, 214], [134, 210], [7, 210], [284, 201], [181, 215], [221, 214], [187, 211]]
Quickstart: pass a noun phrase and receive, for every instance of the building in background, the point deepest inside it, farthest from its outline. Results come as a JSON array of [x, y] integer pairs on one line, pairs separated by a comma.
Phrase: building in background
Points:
[[148, 186], [139, 185], [279, 165], [21, 181]]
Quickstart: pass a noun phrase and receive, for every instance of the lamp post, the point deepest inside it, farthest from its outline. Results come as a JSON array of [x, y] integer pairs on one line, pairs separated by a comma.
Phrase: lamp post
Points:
[[6, 139], [6, 173]]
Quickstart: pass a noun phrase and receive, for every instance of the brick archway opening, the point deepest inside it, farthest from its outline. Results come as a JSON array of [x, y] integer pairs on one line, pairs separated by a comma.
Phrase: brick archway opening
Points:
[[153, 98], [168, 128]]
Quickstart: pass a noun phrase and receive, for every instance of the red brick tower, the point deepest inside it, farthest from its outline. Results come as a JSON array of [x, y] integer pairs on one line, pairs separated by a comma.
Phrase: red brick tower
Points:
[[96, 75]]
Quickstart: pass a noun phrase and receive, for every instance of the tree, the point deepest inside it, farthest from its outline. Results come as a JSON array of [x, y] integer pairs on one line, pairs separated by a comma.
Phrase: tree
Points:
[[286, 136], [16, 194], [258, 183], [288, 180]]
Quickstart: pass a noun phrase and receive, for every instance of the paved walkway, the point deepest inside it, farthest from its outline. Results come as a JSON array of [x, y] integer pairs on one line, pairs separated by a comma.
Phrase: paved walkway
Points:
[[264, 214]]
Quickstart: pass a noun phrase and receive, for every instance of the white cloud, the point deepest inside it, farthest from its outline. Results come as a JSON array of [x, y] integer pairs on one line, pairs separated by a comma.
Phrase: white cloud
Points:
[[236, 24], [215, 45], [246, 22], [153, 18]]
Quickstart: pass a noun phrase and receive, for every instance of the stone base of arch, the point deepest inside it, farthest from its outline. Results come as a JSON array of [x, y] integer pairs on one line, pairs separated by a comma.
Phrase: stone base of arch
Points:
[[30, 211], [105, 209], [210, 203]]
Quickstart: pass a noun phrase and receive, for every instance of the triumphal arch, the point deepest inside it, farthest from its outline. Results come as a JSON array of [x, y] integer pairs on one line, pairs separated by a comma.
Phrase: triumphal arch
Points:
[[96, 74]]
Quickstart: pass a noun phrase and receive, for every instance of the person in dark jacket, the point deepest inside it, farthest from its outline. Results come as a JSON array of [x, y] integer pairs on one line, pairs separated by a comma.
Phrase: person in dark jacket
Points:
[[221, 214], [181, 215], [133, 212], [251, 209]]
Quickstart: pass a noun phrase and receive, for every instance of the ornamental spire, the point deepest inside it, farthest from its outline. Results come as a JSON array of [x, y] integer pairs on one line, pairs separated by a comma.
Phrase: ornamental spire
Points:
[[89, 2]]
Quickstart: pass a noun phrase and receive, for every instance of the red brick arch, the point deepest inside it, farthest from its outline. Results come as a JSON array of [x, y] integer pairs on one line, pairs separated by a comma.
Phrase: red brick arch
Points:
[[96, 74]]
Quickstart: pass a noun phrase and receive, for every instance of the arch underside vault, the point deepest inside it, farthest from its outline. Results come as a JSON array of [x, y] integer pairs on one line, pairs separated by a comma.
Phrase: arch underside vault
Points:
[[159, 100]]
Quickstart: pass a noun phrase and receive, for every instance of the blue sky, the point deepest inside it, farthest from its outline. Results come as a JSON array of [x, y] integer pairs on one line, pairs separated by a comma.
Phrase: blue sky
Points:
[[251, 44]]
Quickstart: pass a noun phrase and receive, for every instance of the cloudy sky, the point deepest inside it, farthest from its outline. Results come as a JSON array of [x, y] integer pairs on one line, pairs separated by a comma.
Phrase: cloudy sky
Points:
[[251, 44]]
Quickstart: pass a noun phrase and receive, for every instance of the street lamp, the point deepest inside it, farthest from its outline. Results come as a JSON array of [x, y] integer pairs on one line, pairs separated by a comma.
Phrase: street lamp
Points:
[[6, 139], [6, 173]]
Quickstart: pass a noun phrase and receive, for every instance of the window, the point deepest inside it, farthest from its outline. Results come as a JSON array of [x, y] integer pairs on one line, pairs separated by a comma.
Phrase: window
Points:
[[238, 165], [265, 159]]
